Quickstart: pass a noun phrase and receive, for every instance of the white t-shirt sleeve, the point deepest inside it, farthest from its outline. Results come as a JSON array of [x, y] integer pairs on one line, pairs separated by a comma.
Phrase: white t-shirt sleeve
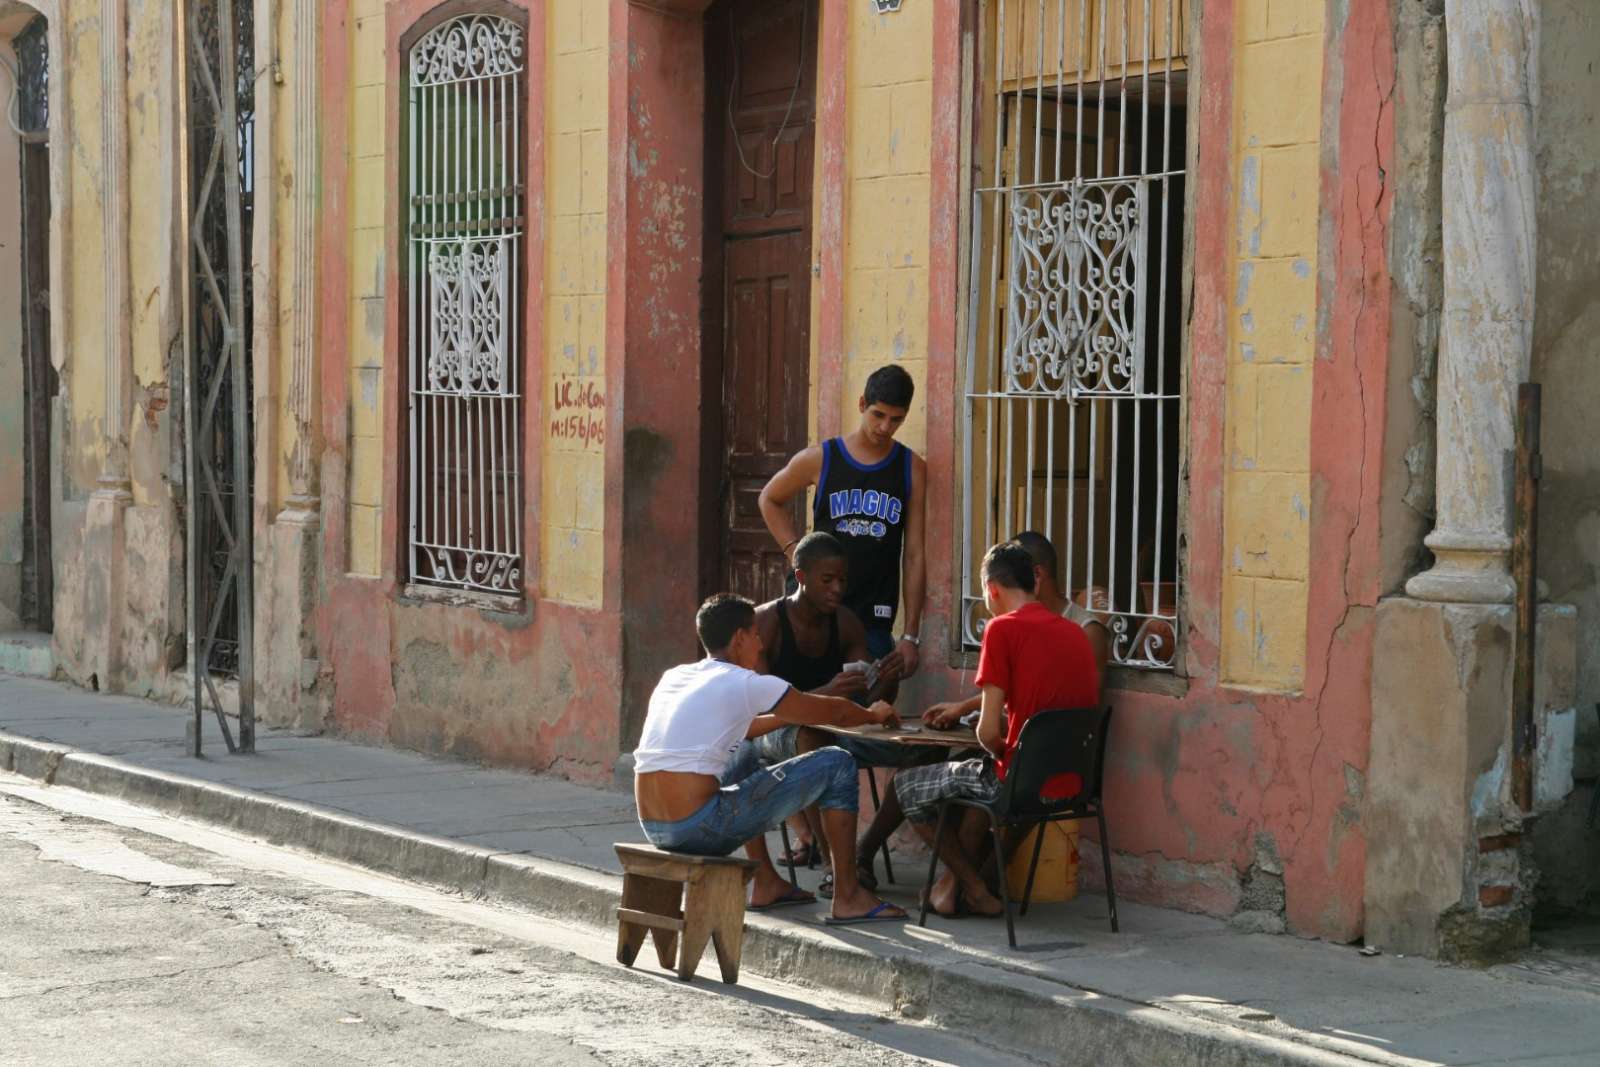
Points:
[[763, 692]]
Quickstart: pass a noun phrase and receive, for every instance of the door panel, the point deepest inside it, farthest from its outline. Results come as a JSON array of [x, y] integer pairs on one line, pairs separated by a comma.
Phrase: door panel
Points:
[[761, 67], [764, 391]]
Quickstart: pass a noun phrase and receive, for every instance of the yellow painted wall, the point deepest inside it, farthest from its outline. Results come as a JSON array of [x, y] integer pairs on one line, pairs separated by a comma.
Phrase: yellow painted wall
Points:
[[1271, 333], [370, 178], [889, 109], [574, 101], [572, 511]]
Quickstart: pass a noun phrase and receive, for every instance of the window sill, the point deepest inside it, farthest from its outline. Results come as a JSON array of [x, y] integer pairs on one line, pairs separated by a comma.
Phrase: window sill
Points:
[[1118, 679], [463, 598], [1160, 683]]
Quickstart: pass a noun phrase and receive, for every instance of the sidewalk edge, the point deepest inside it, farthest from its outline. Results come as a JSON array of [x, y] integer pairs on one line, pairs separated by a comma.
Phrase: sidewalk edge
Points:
[[1103, 1027]]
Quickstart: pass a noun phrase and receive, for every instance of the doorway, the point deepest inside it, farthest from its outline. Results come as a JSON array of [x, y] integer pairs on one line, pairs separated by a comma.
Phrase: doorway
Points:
[[35, 603], [761, 65]]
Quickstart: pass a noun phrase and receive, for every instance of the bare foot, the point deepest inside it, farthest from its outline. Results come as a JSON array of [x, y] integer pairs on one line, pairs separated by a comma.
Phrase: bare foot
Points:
[[943, 896], [860, 903], [980, 901]]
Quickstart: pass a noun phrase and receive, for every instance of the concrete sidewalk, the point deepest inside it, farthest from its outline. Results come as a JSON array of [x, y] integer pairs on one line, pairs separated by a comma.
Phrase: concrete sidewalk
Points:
[[1171, 988]]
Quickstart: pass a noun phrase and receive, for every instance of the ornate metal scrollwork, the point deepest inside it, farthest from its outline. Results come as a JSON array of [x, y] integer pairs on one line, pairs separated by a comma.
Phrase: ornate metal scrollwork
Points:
[[475, 46], [1076, 289]]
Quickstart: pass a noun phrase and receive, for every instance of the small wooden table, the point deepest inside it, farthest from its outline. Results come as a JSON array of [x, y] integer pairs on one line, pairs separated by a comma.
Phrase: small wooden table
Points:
[[960, 737]]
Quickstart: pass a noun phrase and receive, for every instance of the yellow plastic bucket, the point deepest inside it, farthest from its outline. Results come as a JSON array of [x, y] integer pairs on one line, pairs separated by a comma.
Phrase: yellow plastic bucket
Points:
[[1057, 878]]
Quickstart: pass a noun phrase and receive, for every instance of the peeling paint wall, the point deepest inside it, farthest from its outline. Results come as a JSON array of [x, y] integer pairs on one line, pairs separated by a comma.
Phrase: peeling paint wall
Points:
[[1567, 361], [538, 686]]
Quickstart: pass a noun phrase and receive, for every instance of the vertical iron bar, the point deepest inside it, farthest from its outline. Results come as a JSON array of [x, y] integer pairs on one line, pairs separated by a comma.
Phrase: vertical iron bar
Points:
[[238, 339]]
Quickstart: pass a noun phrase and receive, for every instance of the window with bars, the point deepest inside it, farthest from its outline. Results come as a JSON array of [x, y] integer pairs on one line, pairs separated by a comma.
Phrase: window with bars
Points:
[[464, 232], [1073, 376]]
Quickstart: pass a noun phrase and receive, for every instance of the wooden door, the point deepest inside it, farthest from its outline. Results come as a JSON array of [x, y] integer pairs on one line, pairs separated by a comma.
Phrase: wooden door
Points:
[[761, 73]]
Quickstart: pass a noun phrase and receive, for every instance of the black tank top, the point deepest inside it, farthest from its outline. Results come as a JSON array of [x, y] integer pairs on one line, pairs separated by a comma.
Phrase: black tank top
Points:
[[804, 672], [864, 507]]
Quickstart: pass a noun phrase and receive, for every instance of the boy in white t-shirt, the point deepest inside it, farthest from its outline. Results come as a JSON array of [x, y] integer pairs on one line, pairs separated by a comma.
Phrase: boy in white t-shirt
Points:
[[699, 783]]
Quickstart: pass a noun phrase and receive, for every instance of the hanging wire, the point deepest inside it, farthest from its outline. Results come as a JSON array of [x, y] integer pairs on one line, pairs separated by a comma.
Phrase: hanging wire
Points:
[[799, 76]]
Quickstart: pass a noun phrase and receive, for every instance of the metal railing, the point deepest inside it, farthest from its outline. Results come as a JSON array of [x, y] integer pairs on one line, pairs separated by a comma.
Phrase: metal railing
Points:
[[1073, 380], [465, 230]]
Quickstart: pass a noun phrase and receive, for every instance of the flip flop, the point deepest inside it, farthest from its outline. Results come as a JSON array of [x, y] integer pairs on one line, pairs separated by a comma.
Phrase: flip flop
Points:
[[876, 915], [795, 895]]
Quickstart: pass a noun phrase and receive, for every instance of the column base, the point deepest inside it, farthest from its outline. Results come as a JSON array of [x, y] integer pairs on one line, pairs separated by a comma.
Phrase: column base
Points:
[[105, 562], [1466, 570], [1448, 874], [287, 664]]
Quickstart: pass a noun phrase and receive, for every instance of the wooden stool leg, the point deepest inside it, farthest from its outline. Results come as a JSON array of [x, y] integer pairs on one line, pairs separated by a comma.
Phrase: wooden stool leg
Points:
[[728, 934], [713, 911], [657, 896]]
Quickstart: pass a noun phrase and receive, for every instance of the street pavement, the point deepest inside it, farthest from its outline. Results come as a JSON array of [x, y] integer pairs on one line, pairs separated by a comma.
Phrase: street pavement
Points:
[[1171, 988], [120, 946]]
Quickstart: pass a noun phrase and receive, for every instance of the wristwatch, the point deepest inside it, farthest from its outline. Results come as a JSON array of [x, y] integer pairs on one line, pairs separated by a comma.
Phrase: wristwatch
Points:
[[913, 638]]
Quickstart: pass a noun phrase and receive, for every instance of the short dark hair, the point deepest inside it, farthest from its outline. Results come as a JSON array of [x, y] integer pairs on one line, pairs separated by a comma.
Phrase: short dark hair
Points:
[[889, 385], [1008, 565], [722, 616], [1042, 551], [817, 547]]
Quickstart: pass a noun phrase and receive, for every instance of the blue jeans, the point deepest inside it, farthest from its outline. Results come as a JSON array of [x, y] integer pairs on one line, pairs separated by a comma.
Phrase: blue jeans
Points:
[[880, 642], [753, 799]]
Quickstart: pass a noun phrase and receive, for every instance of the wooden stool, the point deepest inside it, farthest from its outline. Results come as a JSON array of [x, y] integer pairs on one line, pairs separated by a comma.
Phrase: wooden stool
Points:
[[670, 893]]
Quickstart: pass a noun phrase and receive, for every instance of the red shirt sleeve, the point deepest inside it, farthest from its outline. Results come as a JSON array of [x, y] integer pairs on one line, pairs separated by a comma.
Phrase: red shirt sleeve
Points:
[[994, 655]]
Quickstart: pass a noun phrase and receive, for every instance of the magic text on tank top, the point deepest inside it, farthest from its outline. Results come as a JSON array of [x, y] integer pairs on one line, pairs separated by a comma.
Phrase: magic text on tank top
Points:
[[864, 506]]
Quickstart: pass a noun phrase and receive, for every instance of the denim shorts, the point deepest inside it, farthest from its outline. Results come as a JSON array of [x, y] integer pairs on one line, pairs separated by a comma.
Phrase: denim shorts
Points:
[[753, 799], [880, 642]]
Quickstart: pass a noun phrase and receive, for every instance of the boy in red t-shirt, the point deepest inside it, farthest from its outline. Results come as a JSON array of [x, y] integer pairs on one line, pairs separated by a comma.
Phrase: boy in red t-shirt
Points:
[[1032, 660]]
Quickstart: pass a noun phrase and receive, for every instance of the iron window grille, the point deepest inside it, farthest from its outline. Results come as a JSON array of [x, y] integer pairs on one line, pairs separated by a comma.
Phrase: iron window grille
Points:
[[465, 237], [1072, 408]]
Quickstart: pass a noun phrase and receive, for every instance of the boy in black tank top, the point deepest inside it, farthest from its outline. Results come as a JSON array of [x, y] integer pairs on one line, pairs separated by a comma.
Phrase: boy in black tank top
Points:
[[870, 493], [807, 638], [810, 635]]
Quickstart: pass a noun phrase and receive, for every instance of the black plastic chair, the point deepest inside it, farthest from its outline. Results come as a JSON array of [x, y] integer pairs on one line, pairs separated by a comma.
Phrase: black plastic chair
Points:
[[1051, 743]]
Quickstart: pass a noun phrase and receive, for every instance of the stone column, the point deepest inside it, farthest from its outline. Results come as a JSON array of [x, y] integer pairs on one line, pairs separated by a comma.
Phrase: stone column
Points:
[[1489, 269], [105, 523], [1446, 844], [288, 668]]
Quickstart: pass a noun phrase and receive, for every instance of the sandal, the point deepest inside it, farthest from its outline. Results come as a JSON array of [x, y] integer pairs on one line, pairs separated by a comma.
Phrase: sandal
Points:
[[825, 887], [885, 912], [795, 895]]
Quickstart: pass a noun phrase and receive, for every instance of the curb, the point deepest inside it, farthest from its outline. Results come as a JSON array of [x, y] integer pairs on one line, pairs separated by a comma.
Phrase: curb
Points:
[[1026, 1014]]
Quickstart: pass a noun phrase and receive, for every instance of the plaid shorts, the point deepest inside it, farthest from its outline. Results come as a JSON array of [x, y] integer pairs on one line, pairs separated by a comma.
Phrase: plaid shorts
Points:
[[922, 788]]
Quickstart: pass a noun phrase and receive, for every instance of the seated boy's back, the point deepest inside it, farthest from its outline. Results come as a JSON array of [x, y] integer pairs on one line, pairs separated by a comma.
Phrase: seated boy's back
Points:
[[1040, 661]]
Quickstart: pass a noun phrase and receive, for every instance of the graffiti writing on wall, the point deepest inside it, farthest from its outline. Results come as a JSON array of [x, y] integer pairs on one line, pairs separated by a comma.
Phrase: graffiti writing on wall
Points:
[[579, 407]]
